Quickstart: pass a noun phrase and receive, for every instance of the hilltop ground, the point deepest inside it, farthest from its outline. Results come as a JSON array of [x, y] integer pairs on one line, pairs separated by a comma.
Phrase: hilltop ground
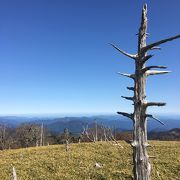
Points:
[[54, 163]]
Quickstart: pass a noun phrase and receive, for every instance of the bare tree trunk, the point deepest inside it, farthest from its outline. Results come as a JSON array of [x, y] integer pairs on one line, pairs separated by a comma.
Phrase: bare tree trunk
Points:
[[142, 168], [67, 145], [86, 133], [3, 136], [42, 135], [66, 138], [104, 132], [114, 129], [96, 131], [79, 140], [37, 143]]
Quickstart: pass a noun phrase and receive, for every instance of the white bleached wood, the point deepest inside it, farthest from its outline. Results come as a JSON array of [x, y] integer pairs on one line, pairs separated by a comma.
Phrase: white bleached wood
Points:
[[152, 67], [14, 174], [155, 72], [155, 48]]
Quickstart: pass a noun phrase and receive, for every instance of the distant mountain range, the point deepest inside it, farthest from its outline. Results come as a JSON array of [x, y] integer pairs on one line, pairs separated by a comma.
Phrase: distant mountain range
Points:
[[170, 135], [75, 124]]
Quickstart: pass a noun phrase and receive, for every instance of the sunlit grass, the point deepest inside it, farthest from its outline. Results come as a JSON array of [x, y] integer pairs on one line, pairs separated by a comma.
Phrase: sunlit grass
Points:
[[53, 162]]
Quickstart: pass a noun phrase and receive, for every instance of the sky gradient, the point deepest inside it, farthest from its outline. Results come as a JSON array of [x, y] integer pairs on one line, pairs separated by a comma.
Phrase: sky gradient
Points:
[[55, 56]]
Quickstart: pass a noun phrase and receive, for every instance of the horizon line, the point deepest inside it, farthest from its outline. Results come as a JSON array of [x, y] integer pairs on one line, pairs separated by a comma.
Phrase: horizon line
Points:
[[78, 114]]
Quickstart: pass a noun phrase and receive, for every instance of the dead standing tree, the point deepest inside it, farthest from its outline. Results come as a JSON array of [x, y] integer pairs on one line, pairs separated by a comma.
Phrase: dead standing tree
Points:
[[42, 135], [142, 167], [66, 138]]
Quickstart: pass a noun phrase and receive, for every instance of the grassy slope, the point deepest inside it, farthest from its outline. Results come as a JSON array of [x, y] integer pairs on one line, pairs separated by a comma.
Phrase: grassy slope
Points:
[[52, 162]]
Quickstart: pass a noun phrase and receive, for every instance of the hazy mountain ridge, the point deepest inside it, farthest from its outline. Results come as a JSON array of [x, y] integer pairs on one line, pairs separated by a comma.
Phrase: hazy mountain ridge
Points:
[[171, 135], [75, 124]]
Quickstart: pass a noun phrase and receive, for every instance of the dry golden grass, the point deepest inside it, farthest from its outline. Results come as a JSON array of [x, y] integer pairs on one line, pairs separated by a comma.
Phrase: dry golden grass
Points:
[[54, 163]]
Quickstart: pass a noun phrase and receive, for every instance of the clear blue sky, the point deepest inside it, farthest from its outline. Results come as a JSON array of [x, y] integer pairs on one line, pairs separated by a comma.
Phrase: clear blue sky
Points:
[[55, 57]]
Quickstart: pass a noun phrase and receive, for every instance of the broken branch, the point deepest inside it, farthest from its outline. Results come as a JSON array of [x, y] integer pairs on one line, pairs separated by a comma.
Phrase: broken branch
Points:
[[130, 88], [123, 52], [155, 104], [155, 72], [151, 67], [146, 58], [150, 46], [132, 76], [151, 116], [129, 115], [128, 98]]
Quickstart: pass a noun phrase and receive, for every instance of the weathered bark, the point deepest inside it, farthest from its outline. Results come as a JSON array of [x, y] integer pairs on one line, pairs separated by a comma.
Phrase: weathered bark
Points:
[[142, 167]]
